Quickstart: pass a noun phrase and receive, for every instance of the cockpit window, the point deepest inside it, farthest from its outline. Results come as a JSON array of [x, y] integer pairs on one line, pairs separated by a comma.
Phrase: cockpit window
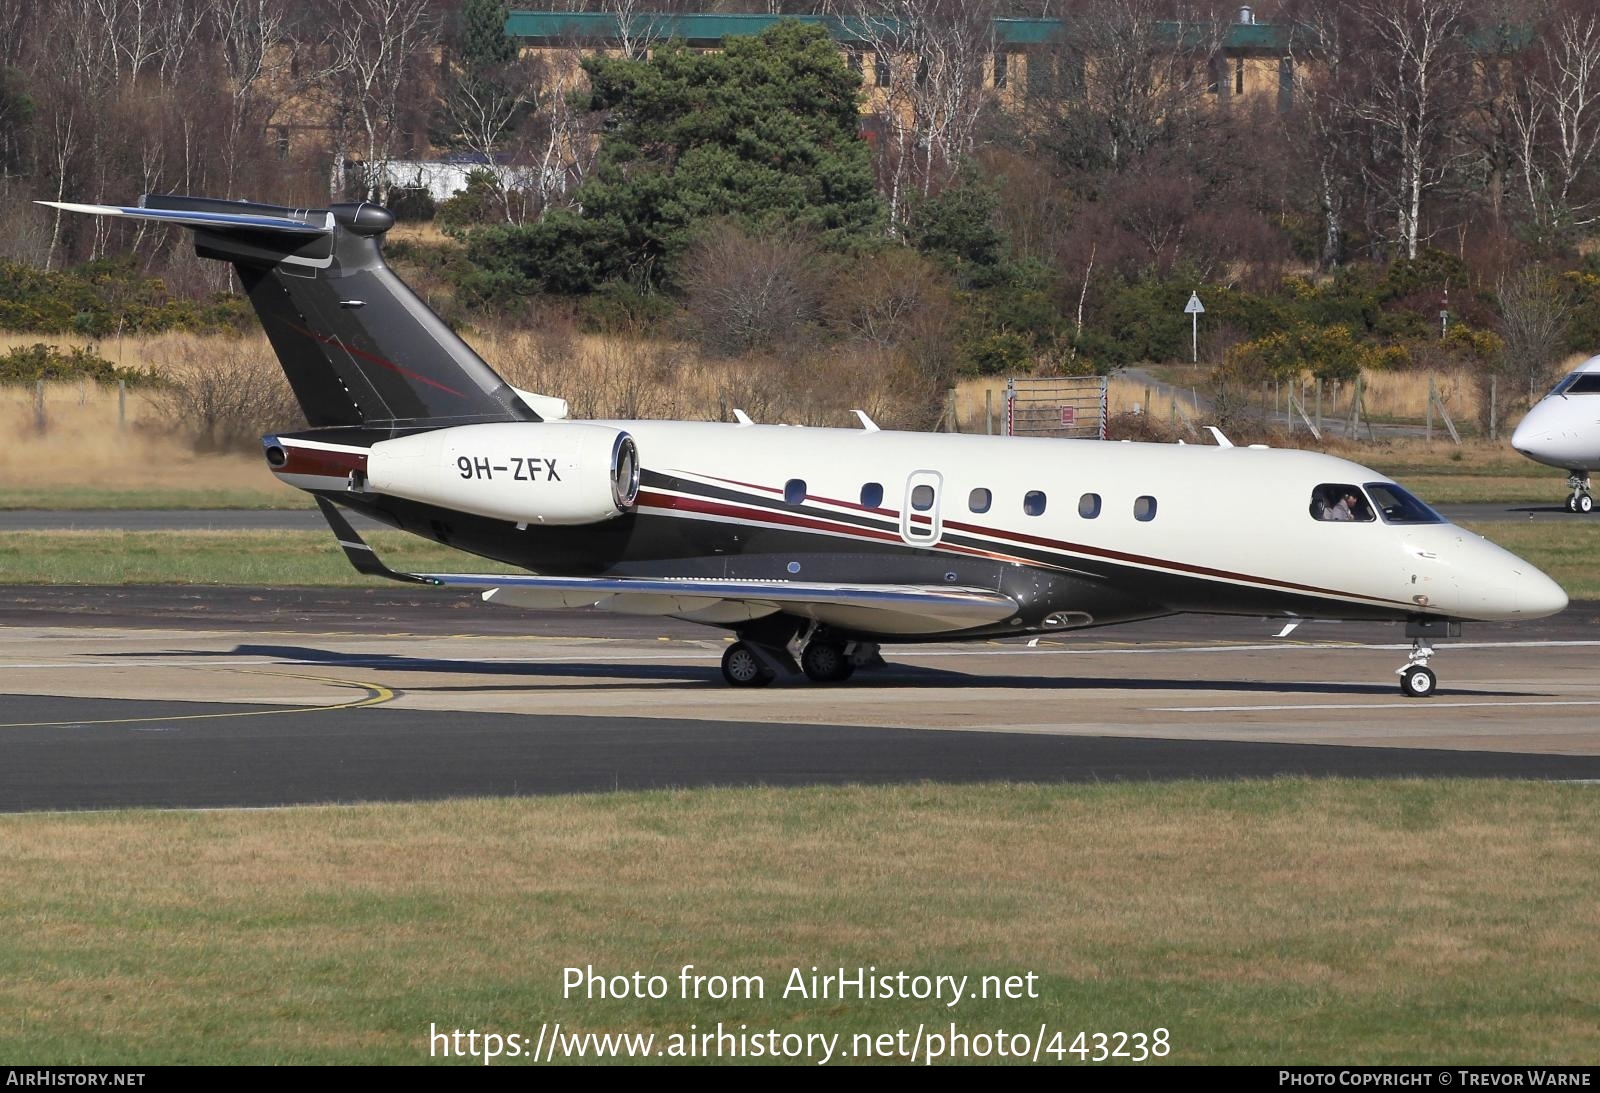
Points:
[[1578, 383], [1396, 506], [1340, 502]]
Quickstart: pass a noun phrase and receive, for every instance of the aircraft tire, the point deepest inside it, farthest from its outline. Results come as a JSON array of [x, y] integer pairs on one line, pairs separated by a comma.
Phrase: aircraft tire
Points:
[[1585, 503], [826, 662], [1418, 682], [743, 667]]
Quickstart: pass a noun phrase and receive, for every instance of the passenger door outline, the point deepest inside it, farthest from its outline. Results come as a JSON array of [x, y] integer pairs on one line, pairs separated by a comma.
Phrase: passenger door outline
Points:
[[922, 527]]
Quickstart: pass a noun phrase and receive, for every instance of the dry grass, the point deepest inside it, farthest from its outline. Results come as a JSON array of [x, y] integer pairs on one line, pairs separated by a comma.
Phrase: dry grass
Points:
[[1280, 922], [82, 446], [618, 377]]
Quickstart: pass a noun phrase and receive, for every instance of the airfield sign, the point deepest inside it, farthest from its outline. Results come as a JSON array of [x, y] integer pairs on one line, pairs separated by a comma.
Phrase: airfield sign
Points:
[[1194, 309]]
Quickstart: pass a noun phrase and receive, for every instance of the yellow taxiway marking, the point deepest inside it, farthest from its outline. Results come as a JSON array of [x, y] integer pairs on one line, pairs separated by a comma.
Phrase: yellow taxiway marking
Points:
[[375, 695]]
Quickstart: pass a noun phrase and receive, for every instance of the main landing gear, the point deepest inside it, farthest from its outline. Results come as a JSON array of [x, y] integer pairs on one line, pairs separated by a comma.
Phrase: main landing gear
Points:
[[824, 658], [1581, 500], [743, 666], [1417, 680]]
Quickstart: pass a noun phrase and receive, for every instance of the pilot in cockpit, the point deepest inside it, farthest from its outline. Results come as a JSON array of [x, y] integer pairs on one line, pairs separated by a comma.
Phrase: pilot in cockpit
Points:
[[1340, 504], [1343, 509]]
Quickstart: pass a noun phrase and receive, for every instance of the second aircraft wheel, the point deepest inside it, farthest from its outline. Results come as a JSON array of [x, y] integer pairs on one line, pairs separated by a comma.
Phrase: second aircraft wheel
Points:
[[1418, 682], [743, 668], [826, 662], [1585, 503]]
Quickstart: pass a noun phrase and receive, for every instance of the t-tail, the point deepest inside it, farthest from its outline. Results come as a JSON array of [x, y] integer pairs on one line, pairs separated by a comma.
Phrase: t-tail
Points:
[[359, 348]]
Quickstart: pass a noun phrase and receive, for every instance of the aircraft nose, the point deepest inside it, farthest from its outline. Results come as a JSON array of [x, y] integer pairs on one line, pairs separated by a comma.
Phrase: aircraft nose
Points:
[[1538, 595], [1529, 433], [1493, 583]]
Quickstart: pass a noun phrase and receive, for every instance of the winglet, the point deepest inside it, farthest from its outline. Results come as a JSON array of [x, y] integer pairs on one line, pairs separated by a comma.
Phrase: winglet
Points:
[[362, 557]]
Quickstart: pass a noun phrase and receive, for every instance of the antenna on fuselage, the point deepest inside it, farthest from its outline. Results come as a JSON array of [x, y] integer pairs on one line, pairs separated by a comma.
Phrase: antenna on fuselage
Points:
[[866, 422], [1222, 441], [741, 417]]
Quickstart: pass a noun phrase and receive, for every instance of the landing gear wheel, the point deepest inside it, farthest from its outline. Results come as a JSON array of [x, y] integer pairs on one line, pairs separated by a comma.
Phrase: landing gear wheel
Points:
[[826, 662], [1585, 503], [1418, 681], [743, 667]]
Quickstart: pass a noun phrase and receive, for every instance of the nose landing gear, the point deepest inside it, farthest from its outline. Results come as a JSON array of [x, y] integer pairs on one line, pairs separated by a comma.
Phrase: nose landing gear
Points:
[[1417, 680], [1581, 499]]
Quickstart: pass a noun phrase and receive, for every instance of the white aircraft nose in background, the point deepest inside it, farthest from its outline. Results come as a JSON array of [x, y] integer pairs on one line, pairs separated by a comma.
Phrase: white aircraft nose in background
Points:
[[1563, 430]]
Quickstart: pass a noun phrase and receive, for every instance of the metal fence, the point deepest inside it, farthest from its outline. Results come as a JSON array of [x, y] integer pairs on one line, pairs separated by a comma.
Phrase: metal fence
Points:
[[1060, 406]]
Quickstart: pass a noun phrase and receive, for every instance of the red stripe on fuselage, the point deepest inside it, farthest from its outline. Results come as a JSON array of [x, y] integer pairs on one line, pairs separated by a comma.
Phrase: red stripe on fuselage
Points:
[[1105, 553]]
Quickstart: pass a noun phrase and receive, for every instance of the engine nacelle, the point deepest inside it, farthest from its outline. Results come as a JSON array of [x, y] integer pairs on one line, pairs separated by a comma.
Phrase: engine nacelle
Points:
[[525, 472]]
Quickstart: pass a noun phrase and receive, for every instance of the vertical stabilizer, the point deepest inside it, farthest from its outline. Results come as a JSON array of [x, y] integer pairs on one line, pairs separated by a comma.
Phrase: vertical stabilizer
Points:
[[358, 346]]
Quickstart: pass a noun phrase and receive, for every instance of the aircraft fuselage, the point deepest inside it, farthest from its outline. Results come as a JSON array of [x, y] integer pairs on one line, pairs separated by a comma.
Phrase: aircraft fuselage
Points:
[[1078, 533]]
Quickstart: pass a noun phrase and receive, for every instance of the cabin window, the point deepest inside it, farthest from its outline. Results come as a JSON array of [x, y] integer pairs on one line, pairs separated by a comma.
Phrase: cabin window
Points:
[[1397, 506], [1144, 508], [872, 495], [922, 498], [1033, 503], [794, 491], [979, 500], [1089, 506], [1340, 503]]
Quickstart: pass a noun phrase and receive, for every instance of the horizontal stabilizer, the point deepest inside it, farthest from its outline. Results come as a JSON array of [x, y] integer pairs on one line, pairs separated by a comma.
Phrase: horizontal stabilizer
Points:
[[191, 218]]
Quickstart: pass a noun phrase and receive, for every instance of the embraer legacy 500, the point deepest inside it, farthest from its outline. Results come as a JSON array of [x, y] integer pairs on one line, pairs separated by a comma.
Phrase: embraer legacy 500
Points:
[[1563, 430], [825, 542]]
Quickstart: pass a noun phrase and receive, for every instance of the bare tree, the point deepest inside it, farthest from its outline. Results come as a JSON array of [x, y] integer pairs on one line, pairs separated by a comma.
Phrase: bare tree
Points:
[[932, 107], [639, 24], [1554, 108], [751, 291], [377, 47], [1411, 83], [1130, 78], [1321, 129], [1533, 322]]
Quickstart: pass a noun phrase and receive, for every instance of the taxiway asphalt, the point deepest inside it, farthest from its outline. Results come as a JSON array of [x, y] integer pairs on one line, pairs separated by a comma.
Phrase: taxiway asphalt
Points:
[[253, 697]]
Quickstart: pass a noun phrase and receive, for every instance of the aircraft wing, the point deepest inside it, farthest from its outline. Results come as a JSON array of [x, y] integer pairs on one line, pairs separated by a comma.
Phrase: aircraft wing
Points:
[[880, 608]]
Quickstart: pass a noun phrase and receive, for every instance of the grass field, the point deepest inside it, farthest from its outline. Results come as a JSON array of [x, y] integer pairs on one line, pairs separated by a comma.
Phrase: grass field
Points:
[[211, 557], [1565, 551], [1265, 922], [272, 496]]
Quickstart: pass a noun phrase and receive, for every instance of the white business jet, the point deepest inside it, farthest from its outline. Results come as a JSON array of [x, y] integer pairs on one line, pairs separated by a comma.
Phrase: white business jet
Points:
[[824, 543], [1563, 430]]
